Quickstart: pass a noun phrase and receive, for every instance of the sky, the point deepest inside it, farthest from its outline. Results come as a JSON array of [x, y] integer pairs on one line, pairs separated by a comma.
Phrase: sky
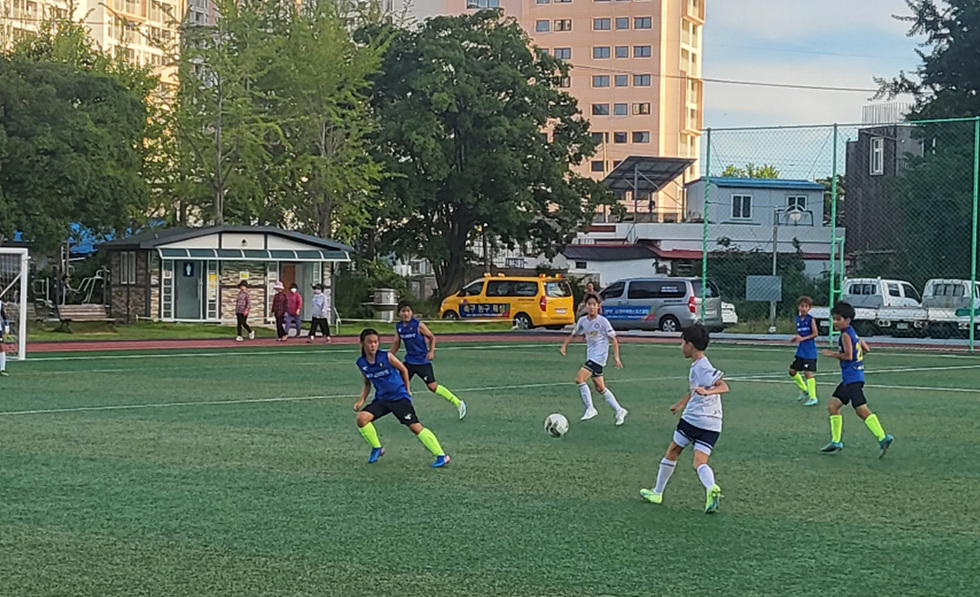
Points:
[[838, 43]]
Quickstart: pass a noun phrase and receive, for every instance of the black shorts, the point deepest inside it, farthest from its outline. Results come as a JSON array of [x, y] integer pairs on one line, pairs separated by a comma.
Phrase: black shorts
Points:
[[423, 371], [594, 368], [801, 364], [403, 410], [851, 393], [689, 434]]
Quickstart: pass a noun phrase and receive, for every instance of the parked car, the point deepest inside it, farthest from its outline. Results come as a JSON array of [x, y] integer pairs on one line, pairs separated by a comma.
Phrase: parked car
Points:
[[728, 314], [877, 292], [945, 293], [665, 304], [529, 302]]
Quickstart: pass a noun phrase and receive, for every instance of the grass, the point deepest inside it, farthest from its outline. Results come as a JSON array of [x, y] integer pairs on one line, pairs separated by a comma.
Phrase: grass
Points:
[[240, 473]]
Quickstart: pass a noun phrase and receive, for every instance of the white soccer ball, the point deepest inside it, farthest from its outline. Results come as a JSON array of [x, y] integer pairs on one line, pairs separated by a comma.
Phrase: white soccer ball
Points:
[[556, 425]]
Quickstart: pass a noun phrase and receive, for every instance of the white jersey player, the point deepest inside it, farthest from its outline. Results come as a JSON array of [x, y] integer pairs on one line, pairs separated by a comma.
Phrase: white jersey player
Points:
[[700, 422], [4, 329], [599, 334]]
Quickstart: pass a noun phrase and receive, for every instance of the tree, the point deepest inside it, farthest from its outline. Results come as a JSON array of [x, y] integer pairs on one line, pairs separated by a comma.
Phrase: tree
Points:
[[750, 171], [828, 198], [464, 106]]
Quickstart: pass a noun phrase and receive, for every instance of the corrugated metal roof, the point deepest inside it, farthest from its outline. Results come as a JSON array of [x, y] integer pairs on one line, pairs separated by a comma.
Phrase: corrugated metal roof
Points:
[[763, 183]]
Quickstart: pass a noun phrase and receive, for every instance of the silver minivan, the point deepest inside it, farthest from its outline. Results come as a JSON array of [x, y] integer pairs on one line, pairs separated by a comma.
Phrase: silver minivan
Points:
[[665, 304]]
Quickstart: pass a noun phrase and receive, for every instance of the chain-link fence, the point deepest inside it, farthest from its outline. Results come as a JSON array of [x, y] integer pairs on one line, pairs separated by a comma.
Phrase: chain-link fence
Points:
[[881, 215]]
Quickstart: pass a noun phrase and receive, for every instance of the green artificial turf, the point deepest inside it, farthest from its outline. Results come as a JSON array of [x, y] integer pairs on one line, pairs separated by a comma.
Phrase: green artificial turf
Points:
[[240, 473]]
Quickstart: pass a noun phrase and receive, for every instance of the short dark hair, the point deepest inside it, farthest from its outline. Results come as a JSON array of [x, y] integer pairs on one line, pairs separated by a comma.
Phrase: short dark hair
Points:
[[697, 335], [402, 305], [243, 284], [844, 310], [591, 296], [804, 300]]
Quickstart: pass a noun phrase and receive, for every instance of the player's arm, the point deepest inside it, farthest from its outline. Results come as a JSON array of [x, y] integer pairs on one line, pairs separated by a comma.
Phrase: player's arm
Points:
[[568, 340], [403, 370], [865, 347], [847, 349], [615, 345], [364, 394], [680, 404], [720, 387], [430, 338], [814, 330], [396, 344]]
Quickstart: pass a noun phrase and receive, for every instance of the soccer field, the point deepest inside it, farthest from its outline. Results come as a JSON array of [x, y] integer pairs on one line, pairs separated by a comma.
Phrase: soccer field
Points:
[[241, 473]]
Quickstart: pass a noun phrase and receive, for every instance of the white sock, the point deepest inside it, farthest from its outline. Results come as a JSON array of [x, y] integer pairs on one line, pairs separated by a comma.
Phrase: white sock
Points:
[[663, 475], [706, 475], [611, 400], [3, 359], [586, 396]]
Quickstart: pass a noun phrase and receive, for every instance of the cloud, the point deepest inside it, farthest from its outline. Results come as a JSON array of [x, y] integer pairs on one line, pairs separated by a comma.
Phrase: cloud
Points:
[[796, 19]]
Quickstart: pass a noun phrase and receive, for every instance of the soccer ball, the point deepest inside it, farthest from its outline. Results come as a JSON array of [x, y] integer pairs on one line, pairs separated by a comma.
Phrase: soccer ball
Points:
[[556, 425]]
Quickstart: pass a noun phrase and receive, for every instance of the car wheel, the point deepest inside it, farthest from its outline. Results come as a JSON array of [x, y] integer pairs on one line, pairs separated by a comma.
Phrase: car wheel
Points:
[[450, 315], [669, 324], [523, 321]]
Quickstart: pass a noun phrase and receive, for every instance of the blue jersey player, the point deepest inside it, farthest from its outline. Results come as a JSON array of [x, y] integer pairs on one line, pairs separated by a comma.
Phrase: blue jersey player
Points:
[[851, 389], [390, 381], [420, 349], [805, 364]]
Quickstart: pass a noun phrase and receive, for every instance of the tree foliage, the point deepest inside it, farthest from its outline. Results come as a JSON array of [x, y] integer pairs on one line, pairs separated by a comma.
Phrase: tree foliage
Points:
[[750, 171], [462, 105]]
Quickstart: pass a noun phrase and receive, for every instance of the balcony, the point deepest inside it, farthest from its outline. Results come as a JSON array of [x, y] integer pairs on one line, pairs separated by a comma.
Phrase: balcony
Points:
[[694, 11]]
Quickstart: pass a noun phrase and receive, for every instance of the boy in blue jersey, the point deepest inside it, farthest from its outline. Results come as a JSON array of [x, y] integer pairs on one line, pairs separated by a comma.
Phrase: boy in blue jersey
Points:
[[851, 389], [420, 349], [390, 380], [806, 352]]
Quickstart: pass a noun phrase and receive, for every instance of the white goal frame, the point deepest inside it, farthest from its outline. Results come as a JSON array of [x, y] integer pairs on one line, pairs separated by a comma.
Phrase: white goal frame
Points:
[[21, 306]]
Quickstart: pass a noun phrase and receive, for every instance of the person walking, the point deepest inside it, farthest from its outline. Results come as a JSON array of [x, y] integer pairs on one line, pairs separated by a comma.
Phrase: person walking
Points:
[[320, 319], [279, 305], [243, 304]]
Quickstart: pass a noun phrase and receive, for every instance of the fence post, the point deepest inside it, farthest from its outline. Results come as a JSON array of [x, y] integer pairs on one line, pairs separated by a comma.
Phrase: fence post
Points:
[[973, 257], [704, 232], [834, 241]]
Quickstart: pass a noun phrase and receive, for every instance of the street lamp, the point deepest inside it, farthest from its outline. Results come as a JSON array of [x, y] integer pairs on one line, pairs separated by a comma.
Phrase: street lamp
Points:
[[795, 214]]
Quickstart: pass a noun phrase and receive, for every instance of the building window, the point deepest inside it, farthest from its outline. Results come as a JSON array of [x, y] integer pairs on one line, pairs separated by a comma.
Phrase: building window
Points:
[[601, 24], [563, 53], [641, 136], [563, 24], [741, 207], [642, 23], [600, 80], [600, 52], [600, 137], [622, 22], [544, 1], [600, 109], [542, 26], [641, 108], [563, 82], [877, 156], [582, 264], [622, 81], [622, 51], [616, 163], [619, 137], [562, 1], [598, 166], [641, 80], [482, 3], [127, 267], [797, 203], [621, 110], [642, 52]]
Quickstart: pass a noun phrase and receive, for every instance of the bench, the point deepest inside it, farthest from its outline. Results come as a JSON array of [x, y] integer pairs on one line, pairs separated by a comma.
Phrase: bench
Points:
[[84, 313]]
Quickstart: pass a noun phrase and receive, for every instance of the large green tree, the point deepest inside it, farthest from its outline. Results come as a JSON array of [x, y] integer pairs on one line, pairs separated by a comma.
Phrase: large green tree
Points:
[[751, 171], [475, 135]]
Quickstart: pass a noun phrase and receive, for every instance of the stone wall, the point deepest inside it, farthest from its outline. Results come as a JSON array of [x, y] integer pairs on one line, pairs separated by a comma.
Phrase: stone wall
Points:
[[229, 276], [128, 300]]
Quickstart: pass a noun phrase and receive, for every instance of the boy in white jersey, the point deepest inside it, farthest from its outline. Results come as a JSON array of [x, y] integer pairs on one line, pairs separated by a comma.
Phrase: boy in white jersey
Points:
[[700, 423], [598, 334]]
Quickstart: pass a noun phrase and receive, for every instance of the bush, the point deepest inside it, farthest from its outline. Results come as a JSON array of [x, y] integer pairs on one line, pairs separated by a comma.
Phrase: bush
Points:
[[357, 282]]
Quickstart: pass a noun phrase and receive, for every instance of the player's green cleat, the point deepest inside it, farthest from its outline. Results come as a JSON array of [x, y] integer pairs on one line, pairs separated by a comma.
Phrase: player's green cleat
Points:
[[461, 409], [713, 499], [832, 447], [884, 444], [803, 396], [650, 496]]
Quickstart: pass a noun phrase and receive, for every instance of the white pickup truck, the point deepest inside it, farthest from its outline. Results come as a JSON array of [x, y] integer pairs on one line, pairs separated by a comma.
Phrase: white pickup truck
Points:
[[894, 307]]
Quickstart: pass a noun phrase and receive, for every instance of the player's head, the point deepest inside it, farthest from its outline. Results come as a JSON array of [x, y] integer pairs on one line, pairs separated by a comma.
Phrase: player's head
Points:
[[804, 304], [694, 339], [405, 311], [590, 287], [843, 315], [592, 302], [369, 342]]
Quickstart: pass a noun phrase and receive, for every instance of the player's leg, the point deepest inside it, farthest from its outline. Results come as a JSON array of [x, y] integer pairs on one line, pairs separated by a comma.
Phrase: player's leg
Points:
[[871, 421], [702, 450], [836, 421], [3, 358], [667, 466], [405, 412], [794, 373], [581, 379], [241, 320], [811, 382], [371, 412], [600, 386], [248, 328]]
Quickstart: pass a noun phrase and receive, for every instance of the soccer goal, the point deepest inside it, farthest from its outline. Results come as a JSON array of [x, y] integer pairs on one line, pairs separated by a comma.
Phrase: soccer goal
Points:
[[13, 298]]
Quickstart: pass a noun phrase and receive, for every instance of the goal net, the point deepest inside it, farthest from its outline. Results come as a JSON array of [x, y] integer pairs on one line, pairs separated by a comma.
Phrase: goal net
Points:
[[13, 298]]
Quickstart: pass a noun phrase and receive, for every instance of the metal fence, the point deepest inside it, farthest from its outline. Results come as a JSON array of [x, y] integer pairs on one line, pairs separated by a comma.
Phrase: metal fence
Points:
[[883, 215]]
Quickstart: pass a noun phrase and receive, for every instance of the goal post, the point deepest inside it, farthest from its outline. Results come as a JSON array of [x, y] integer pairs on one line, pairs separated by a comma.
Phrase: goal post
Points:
[[14, 267]]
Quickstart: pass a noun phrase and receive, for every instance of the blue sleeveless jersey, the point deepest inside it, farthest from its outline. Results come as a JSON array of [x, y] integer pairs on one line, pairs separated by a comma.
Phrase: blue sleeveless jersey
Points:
[[416, 350], [852, 371], [808, 348], [387, 381]]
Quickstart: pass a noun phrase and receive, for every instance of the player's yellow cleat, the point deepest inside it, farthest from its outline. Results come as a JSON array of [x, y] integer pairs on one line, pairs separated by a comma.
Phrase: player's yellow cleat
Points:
[[653, 498], [713, 499]]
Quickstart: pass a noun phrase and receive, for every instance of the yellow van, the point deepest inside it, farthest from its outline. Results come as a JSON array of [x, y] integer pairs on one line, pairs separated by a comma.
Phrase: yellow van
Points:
[[545, 301]]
